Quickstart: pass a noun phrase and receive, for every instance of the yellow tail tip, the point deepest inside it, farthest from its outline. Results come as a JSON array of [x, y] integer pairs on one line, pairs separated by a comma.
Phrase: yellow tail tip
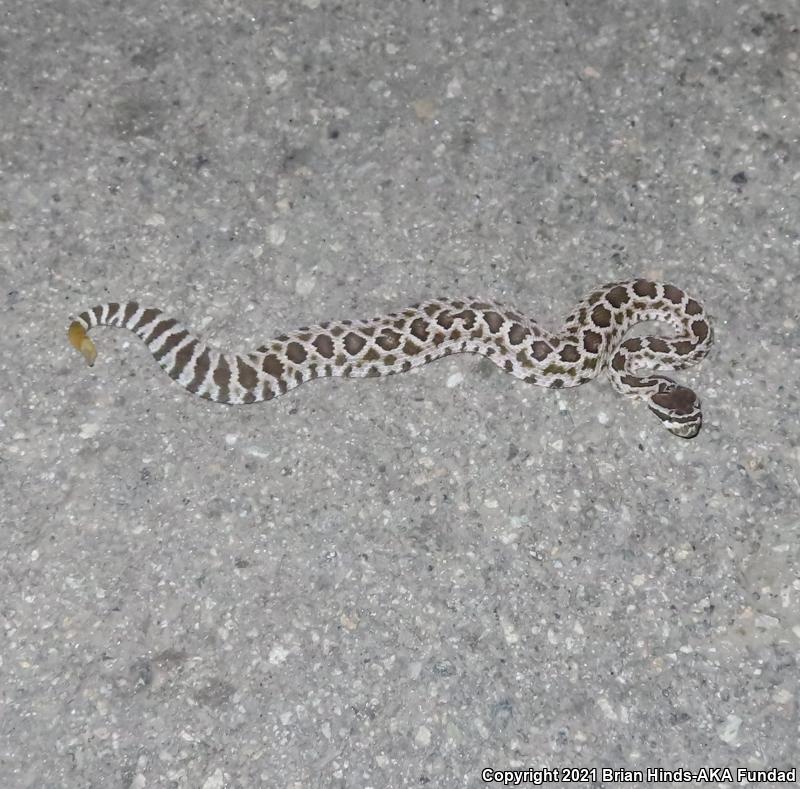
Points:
[[80, 340]]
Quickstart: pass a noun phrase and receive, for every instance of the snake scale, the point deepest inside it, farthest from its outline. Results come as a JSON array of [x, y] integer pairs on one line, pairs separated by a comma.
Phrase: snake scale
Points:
[[592, 340]]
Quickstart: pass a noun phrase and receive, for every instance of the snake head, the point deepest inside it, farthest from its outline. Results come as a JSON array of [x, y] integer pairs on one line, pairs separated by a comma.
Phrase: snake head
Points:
[[678, 407]]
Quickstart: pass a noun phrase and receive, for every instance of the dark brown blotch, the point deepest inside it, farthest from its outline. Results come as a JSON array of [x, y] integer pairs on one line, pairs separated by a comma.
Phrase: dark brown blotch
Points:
[[324, 345], [388, 340], [658, 345], [468, 318], [617, 296], [601, 316], [592, 341], [569, 353], [644, 287], [248, 377], [296, 353], [445, 319], [517, 334], [354, 343], [272, 365], [693, 308], [419, 328], [494, 320], [700, 330], [673, 294], [540, 350]]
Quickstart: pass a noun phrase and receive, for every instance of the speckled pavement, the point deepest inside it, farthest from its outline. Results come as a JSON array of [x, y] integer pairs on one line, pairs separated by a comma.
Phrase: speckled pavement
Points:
[[408, 581]]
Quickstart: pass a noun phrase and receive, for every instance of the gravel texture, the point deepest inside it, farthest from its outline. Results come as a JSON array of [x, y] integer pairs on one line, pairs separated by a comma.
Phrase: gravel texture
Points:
[[397, 582]]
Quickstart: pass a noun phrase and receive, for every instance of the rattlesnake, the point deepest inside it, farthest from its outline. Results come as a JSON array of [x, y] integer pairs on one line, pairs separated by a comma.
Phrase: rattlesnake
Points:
[[590, 341]]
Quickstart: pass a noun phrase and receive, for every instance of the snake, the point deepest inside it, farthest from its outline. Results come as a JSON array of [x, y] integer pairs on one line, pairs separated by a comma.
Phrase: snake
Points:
[[592, 340]]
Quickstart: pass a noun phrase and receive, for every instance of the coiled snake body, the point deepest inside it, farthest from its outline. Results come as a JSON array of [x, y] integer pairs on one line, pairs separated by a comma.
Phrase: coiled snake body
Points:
[[590, 341]]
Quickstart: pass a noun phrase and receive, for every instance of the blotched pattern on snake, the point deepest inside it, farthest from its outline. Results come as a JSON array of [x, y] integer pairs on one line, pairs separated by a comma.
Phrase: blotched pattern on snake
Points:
[[592, 340]]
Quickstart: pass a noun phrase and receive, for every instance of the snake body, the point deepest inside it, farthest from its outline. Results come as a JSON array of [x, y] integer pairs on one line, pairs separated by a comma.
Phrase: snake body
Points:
[[592, 340]]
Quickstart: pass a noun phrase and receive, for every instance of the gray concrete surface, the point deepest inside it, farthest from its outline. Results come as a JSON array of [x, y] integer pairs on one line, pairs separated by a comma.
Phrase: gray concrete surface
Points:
[[396, 582]]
